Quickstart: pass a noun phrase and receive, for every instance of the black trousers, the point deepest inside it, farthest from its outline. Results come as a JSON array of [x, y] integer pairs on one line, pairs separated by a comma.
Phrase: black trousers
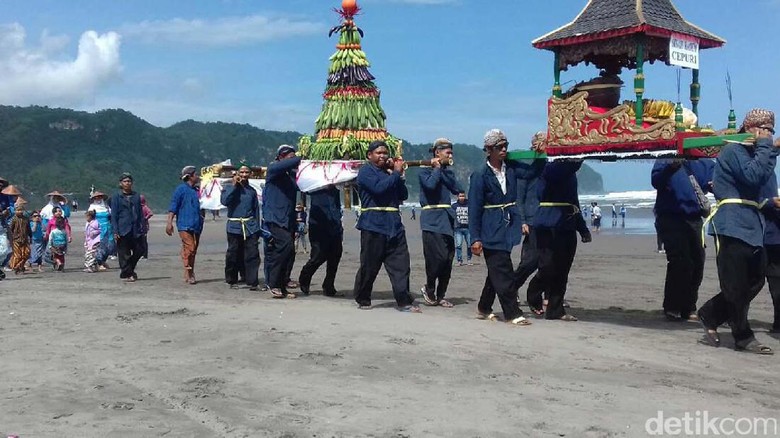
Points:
[[375, 250], [242, 256], [499, 281], [529, 263], [290, 262], [438, 251], [280, 257], [741, 271], [556, 255], [773, 277], [129, 251], [326, 247], [684, 262]]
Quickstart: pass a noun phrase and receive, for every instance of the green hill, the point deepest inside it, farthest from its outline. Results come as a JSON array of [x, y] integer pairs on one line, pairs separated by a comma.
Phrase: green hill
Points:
[[43, 149]]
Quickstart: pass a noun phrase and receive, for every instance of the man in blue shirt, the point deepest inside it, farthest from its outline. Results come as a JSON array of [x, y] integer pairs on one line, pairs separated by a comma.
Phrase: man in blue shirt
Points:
[[557, 223], [437, 221], [528, 174], [382, 235], [243, 229], [771, 212], [127, 223], [279, 198], [679, 222], [741, 172], [494, 225], [325, 235], [185, 207]]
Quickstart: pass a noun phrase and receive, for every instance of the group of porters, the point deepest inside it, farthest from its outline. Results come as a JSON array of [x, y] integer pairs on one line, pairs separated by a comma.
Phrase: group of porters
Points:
[[534, 202]]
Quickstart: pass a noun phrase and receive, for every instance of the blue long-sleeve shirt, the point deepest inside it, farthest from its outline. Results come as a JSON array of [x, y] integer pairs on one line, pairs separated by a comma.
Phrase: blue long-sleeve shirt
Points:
[[185, 205], [436, 186], [325, 212], [497, 228], [528, 174], [771, 213], [740, 173], [377, 188], [241, 202], [675, 195], [126, 215], [280, 193], [558, 184]]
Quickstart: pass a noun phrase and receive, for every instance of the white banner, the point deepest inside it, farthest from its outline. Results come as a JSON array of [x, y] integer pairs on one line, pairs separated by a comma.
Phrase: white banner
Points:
[[314, 175], [684, 51], [211, 190]]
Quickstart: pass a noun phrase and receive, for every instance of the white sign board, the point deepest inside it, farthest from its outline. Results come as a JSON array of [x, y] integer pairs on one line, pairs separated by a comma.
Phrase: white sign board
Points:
[[684, 51]]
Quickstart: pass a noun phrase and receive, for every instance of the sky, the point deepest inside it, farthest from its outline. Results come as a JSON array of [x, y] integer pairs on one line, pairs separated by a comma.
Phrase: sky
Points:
[[453, 68]]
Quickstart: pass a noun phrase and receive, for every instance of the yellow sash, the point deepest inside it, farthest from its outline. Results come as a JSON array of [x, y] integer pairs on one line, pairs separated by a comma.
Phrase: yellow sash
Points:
[[386, 209], [243, 221], [559, 204], [501, 206], [749, 203], [431, 207]]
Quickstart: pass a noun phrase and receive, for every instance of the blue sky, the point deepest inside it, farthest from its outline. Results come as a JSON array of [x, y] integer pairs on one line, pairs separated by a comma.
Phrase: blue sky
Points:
[[452, 68]]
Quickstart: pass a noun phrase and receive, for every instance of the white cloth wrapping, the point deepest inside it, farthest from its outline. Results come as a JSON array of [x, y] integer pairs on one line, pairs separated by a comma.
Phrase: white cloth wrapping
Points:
[[211, 190], [315, 175]]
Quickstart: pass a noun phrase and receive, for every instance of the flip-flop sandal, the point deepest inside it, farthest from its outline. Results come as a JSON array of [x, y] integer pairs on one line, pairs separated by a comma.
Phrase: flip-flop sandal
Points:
[[487, 317], [277, 293], [293, 285], [446, 304], [428, 300], [755, 347], [409, 309], [711, 335], [520, 321], [365, 307], [291, 296], [537, 311], [568, 318]]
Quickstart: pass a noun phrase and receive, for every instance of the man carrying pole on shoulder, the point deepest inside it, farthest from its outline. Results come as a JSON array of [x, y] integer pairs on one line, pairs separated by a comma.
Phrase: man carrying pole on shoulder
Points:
[[382, 235], [437, 221]]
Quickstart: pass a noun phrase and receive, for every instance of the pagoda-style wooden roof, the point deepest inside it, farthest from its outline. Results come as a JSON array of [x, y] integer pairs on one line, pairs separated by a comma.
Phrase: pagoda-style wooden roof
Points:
[[605, 29]]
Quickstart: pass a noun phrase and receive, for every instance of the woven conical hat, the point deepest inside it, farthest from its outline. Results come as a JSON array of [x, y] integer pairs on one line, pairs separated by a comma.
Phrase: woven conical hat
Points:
[[57, 194], [11, 190]]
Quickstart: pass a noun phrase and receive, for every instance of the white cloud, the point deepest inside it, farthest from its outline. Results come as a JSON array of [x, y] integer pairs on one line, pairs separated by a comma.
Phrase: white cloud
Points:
[[39, 75], [223, 32]]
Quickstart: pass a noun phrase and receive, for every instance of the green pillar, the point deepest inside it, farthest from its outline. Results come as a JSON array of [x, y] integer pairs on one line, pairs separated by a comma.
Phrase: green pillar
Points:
[[732, 120], [557, 72], [695, 93], [678, 118], [639, 80]]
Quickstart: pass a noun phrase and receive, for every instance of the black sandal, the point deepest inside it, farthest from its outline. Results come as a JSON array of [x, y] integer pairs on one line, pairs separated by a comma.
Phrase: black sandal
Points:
[[754, 347], [710, 334]]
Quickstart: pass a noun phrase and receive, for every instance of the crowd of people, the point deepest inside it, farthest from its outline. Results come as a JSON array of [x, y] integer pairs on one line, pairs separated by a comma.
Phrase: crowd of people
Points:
[[508, 203]]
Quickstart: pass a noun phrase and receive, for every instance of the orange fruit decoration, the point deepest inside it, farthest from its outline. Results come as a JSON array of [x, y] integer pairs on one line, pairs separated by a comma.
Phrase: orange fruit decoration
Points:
[[349, 6]]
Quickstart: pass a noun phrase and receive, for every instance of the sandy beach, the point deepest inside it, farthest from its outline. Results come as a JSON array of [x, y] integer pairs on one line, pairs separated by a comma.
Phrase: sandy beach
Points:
[[84, 355]]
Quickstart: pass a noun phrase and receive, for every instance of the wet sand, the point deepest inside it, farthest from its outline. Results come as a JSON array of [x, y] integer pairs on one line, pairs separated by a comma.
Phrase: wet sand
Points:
[[86, 355]]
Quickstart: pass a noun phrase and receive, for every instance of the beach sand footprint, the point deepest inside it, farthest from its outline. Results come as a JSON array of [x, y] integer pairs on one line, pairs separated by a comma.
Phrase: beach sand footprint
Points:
[[129, 317], [204, 386]]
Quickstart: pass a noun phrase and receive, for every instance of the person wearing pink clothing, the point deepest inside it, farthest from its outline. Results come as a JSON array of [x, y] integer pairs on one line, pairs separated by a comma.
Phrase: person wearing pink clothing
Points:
[[57, 212], [91, 242]]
